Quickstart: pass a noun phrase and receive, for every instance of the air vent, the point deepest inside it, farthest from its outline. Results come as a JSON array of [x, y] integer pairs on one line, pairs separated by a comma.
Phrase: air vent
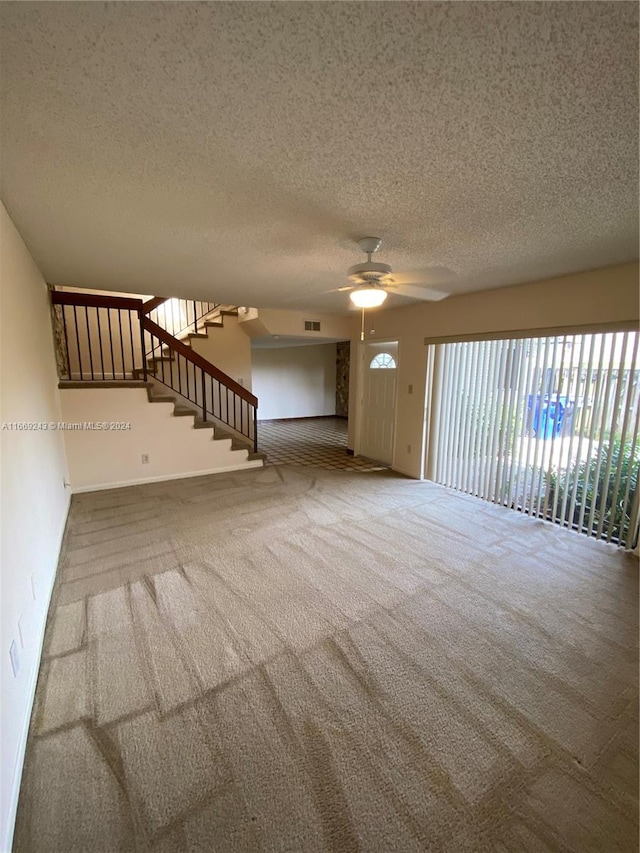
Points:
[[312, 325]]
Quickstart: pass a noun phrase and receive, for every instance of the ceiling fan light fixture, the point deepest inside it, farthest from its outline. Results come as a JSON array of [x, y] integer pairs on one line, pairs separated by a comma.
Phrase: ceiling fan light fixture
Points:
[[368, 297]]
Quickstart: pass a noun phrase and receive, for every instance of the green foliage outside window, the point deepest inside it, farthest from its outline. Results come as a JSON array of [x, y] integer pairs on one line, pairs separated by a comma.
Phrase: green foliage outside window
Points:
[[596, 487]]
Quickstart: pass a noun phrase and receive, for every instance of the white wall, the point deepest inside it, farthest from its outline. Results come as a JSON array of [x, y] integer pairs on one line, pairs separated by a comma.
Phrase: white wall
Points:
[[34, 500], [295, 382], [111, 458]]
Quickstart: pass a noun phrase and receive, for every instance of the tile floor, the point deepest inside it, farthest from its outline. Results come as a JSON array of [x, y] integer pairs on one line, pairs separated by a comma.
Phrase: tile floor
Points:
[[317, 442]]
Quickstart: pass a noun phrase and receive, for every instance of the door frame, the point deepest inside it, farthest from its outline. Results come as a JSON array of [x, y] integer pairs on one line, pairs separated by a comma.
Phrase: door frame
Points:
[[362, 349]]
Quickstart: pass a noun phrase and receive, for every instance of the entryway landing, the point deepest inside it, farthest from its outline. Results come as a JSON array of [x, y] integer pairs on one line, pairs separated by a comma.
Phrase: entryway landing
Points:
[[315, 442]]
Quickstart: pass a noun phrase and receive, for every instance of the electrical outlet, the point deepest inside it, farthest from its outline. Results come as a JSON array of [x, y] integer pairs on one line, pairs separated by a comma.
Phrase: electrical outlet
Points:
[[15, 658], [411, 389], [145, 458]]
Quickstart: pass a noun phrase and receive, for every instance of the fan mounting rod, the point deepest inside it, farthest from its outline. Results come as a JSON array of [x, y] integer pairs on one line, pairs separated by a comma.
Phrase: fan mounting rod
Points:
[[369, 245], [368, 272]]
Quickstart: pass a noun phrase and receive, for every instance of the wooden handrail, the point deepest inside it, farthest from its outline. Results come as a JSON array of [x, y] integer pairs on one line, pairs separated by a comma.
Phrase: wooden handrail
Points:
[[92, 300], [176, 345], [147, 307]]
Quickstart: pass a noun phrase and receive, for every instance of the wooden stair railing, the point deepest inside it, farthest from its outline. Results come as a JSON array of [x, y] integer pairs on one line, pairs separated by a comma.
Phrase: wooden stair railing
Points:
[[186, 372], [181, 315], [113, 338], [151, 304], [97, 337]]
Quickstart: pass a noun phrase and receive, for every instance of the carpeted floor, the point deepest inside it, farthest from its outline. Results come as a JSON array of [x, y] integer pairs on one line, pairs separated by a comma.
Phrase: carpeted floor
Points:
[[290, 659]]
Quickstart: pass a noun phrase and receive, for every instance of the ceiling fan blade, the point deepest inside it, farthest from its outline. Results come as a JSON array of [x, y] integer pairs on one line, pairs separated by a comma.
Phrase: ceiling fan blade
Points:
[[341, 289], [414, 291]]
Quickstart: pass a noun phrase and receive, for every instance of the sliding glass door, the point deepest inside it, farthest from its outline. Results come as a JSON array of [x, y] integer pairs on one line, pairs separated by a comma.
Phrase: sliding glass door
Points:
[[547, 426]]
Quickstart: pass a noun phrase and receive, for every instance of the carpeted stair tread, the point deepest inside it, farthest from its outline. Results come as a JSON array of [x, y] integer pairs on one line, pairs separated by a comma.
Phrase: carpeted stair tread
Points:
[[162, 398], [104, 383]]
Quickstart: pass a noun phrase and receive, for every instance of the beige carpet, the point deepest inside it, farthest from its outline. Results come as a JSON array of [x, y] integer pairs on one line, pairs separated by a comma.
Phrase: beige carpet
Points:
[[296, 660]]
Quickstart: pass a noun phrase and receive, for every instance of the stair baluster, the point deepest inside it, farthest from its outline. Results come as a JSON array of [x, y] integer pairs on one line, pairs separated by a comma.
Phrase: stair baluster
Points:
[[121, 348]]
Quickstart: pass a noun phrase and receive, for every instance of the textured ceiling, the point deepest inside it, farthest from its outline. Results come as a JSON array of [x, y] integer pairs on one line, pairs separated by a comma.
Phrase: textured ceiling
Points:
[[235, 150]]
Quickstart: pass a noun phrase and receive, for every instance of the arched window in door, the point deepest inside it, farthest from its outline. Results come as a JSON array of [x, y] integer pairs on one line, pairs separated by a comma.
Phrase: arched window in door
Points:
[[383, 360]]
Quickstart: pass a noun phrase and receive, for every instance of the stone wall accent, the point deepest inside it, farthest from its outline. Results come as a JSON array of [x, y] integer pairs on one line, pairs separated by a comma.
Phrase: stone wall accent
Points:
[[343, 358], [59, 345]]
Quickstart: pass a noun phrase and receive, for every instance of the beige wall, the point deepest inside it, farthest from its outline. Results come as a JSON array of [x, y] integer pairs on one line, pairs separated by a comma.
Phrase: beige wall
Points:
[[32, 492], [112, 458], [273, 321], [585, 300], [229, 348], [295, 382]]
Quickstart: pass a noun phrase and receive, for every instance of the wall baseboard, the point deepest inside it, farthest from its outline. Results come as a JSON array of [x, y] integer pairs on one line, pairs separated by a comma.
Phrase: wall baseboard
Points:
[[22, 745], [404, 472], [255, 463]]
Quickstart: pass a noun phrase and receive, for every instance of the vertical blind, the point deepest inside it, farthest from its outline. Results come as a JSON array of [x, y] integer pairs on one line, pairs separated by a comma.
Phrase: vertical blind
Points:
[[547, 426]]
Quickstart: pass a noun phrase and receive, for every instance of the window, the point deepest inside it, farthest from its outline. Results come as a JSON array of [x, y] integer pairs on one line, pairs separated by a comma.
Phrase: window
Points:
[[548, 426], [383, 359]]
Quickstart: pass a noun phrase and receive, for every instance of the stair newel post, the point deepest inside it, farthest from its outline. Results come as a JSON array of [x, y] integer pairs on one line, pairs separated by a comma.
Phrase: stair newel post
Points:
[[255, 429], [204, 398], [143, 349]]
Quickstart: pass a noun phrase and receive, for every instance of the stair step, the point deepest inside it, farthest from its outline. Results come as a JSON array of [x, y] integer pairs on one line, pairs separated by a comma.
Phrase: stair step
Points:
[[200, 424], [104, 383], [160, 358], [178, 410], [197, 334], [236, 443], [229, 312], [221, 434]]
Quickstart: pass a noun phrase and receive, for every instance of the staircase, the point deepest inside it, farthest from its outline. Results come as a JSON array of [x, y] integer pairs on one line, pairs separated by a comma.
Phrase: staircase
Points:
[[106, 342], [158, 367], [179, 411]]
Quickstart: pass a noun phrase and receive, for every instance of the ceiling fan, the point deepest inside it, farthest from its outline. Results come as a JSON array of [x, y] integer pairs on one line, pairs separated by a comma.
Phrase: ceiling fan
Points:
[[371, 281]]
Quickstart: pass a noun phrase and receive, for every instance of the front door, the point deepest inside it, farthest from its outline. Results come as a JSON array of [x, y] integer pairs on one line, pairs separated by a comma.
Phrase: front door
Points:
[[378, 403]]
